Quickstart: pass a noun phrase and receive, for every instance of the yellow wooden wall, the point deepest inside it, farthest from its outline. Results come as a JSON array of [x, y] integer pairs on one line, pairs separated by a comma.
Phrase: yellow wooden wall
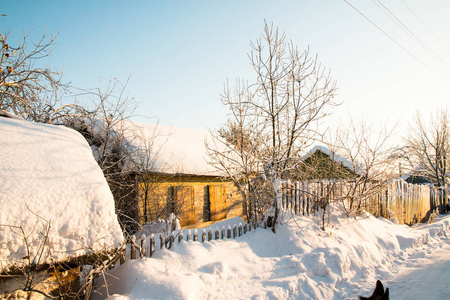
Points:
[[410, 203], [163, 188]]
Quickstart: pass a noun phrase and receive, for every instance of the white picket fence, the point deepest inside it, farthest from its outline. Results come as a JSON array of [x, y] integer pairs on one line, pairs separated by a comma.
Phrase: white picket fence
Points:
[[146, 246]]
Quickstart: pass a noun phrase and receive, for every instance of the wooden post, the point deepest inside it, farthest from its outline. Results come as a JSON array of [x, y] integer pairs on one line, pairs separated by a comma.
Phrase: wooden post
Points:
[[216, 233], [143, 246], [291, 196], [234, 231], [188, 237], [180, 236], [133, 247], [195, 235], [240, 229], [171, 239], [309, 200], [223, 232], [229, 232], [123, 256], [203, 235], [152, 244], [245, 228], [303, 199], [168, 242], [162, 239], [209, 234]]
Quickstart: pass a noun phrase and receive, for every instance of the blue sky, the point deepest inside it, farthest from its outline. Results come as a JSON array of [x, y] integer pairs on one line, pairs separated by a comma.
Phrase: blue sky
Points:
[[180, 53]]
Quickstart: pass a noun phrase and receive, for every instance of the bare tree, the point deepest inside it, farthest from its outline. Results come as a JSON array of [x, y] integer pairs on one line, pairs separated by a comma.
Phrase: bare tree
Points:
[[127, 153], [365, 152], [27, 89], [271, 120], [103, 125], [147, 164], [427, 149]]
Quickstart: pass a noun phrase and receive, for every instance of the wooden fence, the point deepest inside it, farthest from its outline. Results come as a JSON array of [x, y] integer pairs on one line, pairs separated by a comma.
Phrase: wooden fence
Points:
[[146, 246], [439, 200], [409, 203]]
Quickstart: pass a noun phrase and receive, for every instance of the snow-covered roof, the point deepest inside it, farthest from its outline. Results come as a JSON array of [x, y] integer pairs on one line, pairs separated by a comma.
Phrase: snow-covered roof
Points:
[[49, 181], [334, 156], [175, 150], [416, 176]]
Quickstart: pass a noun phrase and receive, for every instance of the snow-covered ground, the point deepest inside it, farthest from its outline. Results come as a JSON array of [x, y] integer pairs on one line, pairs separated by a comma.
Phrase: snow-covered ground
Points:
[[300, 261]]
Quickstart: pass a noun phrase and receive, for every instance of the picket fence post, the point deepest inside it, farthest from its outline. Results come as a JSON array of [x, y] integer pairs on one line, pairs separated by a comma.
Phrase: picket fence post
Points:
[[171, 239], [216, 233], [123, 255], [180, 236], [133, 247], [152, 244], [162, 241], [143, 246]]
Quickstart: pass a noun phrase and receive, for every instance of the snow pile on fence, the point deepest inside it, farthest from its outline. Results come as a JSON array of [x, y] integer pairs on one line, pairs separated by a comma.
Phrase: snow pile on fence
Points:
[[53, 196], [300, 261]]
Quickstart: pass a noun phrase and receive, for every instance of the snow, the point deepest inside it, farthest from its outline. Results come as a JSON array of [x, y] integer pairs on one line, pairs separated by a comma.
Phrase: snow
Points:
[[50, 181], [300, 261], [336, 157], [176, 150]]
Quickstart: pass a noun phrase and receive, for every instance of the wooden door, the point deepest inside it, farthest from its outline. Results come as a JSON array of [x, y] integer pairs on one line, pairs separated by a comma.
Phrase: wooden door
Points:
[[217, 202], [185, 205]]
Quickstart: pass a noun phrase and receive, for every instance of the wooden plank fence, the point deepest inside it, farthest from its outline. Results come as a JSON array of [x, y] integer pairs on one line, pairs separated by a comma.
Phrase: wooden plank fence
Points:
[[438, 200], [409, 203]]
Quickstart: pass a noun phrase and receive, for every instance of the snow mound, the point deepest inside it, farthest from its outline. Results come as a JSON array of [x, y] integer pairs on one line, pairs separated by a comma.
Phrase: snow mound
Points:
[[51, 187], [300, 261]]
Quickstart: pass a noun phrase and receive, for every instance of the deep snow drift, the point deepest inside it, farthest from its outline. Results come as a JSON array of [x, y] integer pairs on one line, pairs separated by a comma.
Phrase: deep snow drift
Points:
[[49, 180], [300, 261]]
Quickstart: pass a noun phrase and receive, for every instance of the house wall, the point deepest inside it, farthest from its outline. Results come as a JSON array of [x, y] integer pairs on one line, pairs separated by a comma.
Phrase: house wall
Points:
[[194, 199]]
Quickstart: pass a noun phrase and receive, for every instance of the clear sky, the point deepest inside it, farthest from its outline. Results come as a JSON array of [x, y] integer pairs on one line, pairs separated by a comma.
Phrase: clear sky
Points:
[[180, 53]]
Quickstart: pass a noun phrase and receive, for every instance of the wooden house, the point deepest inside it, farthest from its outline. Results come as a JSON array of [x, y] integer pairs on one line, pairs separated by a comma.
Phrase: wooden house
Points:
[[175, 177], [56, 209], [414, 178], [194, 199], [322, 163]]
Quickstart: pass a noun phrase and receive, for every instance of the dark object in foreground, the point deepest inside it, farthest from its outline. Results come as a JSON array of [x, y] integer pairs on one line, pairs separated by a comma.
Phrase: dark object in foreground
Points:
[[378, 294]]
